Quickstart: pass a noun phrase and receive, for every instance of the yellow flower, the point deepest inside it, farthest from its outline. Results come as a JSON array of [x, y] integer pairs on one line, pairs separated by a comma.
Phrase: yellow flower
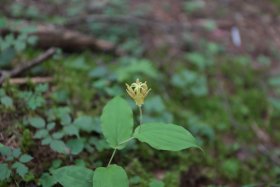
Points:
[[138, 91]]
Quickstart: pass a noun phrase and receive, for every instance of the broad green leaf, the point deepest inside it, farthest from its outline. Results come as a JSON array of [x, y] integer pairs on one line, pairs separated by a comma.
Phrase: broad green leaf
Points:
[[47, 180], [41, 88], [111, 176], [156, 183], [75, 146], [56, 164], [100, 144], [136, 67], [46, 140], [42, 133], [5, 172], [21, 169], [6, 151], [1, 145], [71, 130], [3, 22], [162, 136], [58, 146], [58, 135], [7, 101], [25, 158], [65, 119], [117, 122], [87, 123], [50, 126], [16, 152], [135, 180], [37, 122], [99, 72], [70, 176]]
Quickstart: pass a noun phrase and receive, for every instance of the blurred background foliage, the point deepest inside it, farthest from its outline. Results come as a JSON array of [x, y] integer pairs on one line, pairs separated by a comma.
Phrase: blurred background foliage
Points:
[[212, 66]]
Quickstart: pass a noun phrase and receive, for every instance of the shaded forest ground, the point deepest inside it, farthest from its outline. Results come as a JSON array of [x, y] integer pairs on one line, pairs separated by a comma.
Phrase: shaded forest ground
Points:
[[236, 119]]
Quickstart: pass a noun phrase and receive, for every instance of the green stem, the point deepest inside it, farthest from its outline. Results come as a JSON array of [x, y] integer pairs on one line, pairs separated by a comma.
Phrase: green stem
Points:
[[141, 115], [112, 156], [126, 140]]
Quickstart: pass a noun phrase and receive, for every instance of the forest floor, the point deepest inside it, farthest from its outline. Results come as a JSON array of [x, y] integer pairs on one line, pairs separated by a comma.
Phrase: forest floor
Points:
[[220, 56]]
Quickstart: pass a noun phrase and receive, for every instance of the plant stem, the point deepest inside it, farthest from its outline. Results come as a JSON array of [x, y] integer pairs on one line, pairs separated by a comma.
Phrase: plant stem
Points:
[[15, 181], [126, 140], [112, 156], [141, 115]]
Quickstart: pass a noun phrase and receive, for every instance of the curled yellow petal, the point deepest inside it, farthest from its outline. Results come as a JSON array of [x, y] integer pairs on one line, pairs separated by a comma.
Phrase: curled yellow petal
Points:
[[138, 91]]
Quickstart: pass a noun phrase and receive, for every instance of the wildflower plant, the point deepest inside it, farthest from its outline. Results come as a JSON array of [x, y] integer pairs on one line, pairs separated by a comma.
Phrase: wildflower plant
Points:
[[118, 129], [13, 163]]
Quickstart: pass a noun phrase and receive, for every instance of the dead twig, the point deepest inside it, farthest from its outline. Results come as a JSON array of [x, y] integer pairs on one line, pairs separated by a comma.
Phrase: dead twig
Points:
[[28, 65], [34, 80]]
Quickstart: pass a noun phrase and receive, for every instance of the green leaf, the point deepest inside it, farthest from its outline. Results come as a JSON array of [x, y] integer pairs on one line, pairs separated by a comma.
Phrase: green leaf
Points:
[[19, 45], [76, 146], [65, 119], [42, 133], [5, 172], [117, 122], [6, 151], [21, 169], [7, 101], [1, 145], [47, 180], [111, 176], [16, 152], [156, 183], [25, 158], [58, 146], [41, 88], [70, 176], [86, 123], [50, 126], [32, 40], [3, 22], [162, 136], [100, 144], [71, 130], [37, 122], [46, 140], [136, 67], [57, 135]]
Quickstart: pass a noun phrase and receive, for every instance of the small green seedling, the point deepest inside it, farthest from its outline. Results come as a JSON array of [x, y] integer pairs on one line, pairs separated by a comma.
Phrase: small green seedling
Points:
[[12, 163], [117, 127]]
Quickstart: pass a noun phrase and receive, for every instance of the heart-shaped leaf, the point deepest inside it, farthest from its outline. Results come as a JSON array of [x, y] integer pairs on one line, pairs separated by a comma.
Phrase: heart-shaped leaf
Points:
[[111, 176]]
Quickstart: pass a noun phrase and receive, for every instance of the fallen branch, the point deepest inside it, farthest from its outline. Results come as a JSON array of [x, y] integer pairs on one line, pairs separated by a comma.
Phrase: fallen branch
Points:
[[34, 80], [56, 36], [28, 65]]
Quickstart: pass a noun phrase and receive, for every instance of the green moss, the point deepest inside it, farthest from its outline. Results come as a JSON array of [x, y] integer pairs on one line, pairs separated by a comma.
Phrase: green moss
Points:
[[230, 169], [276, 2], [172, 179], [135, 168], [26, 140]]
